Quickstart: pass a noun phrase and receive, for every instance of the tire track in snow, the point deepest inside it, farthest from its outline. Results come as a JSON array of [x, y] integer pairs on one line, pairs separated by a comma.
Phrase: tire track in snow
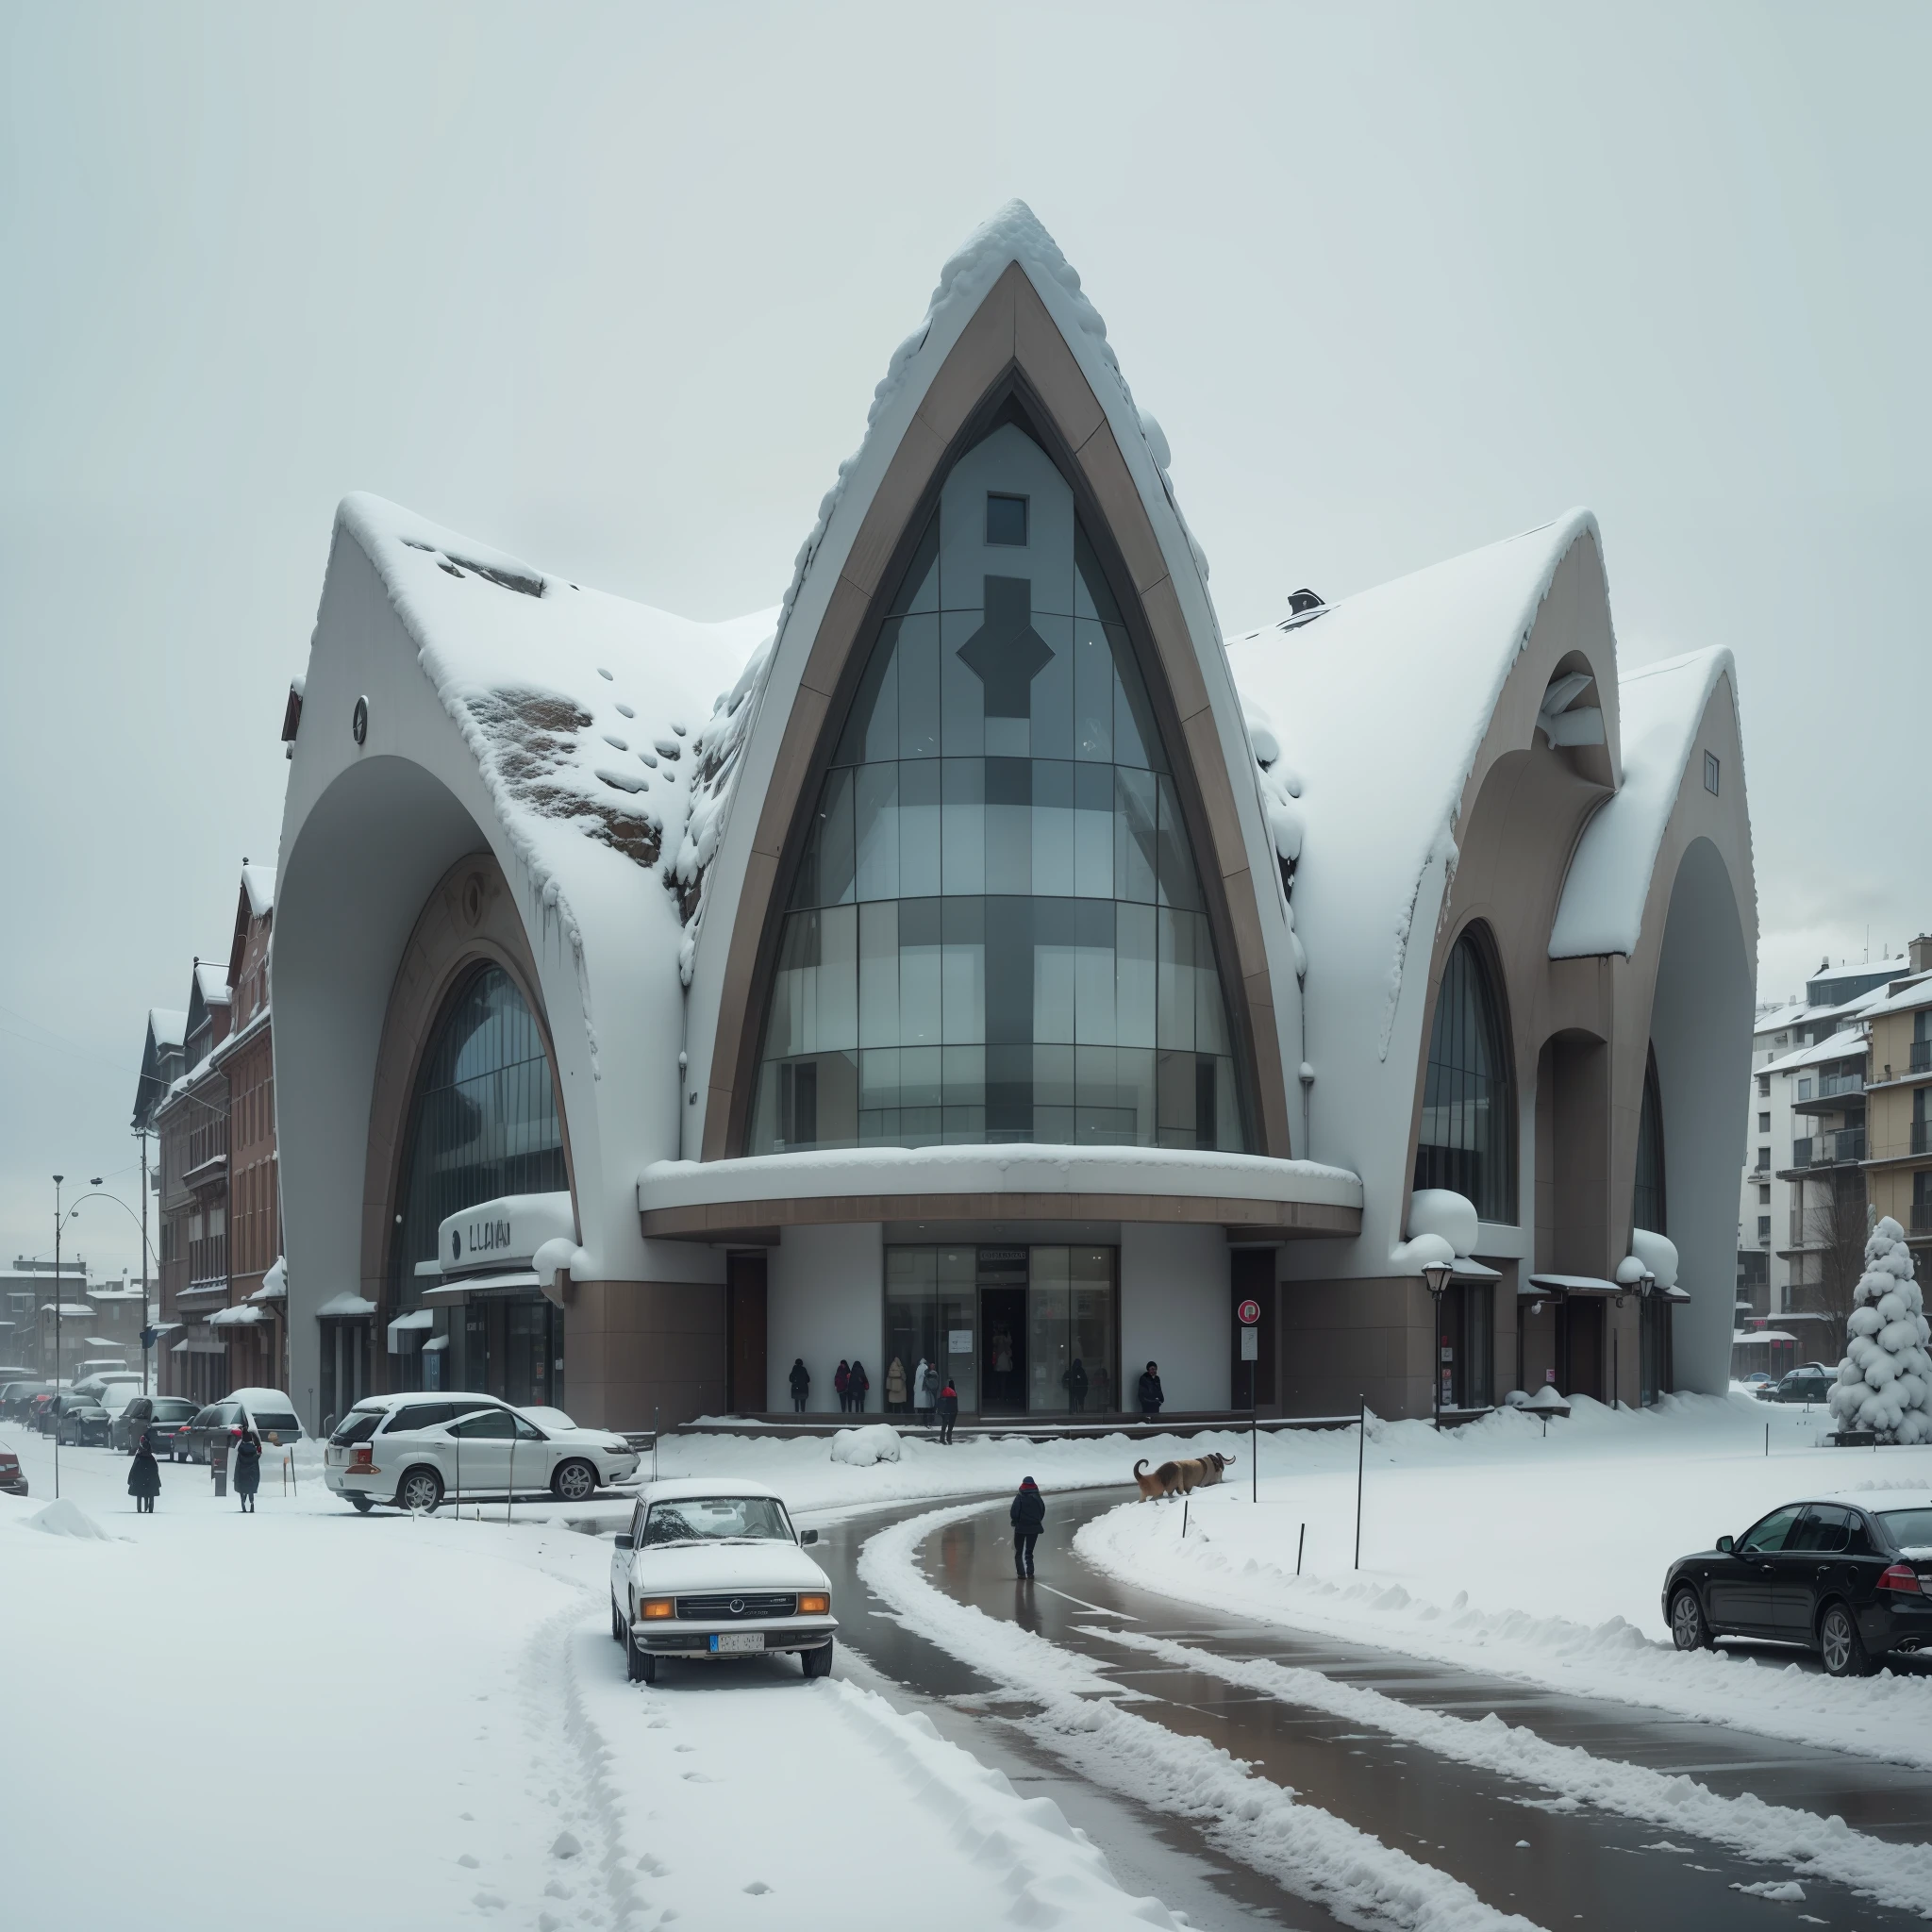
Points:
[[1308, 1852], [1825, 1848]]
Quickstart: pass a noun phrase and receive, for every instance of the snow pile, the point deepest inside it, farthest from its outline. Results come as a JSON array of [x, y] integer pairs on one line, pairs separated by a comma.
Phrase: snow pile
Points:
[[67, 1518], [1885, 1381], [861, 1448], [1281, 789]]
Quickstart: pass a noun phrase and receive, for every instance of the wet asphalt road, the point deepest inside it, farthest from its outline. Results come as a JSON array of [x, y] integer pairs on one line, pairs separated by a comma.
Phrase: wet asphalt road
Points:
[[1584, 1867]]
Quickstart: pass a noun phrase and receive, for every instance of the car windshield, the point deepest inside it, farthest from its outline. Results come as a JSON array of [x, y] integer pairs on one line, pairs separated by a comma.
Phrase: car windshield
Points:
[[281, 1423], [1910, 1530], [717, 1519], [172, 1408]]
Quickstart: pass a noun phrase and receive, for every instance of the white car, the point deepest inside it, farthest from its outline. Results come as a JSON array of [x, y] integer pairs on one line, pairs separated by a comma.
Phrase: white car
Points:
[[713, 1568], [414, 1450]]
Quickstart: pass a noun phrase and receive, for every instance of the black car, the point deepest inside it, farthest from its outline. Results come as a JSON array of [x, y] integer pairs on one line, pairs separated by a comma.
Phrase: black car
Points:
[[47, 1418], [15, 1397], [1811, 1383], [1852, 1580], [83, 1423], [163, 1417]]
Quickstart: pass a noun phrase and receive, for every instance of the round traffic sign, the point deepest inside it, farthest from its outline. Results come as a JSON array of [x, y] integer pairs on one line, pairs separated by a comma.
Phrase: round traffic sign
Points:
[[1250, 1313]]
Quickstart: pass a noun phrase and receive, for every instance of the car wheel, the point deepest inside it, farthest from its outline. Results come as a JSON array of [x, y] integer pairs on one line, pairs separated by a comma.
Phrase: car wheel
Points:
[[574, 1481], [1689, 1631], [818, 1663], [1840, 1645], [419, 1491], [361, 1505], [616, 1622], [639, 1666]]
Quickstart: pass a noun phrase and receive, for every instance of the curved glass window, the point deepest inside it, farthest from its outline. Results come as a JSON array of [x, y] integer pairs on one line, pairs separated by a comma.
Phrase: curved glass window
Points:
[[482, 1119], [1468, 1137], [997, 930], [1647, 1200]]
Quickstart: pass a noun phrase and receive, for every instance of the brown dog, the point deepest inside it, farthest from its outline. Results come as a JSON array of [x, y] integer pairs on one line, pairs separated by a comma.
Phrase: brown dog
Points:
[[1200, 1472], [1158, 1483]]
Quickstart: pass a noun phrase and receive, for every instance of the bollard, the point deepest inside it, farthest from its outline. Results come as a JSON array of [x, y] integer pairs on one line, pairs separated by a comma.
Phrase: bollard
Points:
[[1299, 1541], [1767, 1440], [1186, 1501], [218, 1468]]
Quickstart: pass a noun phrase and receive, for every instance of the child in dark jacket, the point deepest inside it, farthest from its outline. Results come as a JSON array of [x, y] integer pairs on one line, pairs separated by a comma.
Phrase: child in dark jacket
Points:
[[1026, 1515]]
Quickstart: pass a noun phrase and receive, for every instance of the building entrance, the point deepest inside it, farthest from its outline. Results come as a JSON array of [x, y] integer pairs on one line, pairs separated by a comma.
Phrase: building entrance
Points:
[[1018, 1330]]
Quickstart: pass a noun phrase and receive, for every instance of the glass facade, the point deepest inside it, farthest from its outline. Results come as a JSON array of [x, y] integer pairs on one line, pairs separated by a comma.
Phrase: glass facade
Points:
[[482, 1124], [1467, 1141], [996, 929], [1019, 1329], [1648, 1199]]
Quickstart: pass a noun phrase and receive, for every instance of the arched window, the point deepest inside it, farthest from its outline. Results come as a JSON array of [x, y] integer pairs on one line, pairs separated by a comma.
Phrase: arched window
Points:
[[996, 929], [1648, 1199], [482, 1119], [1468, 1140]]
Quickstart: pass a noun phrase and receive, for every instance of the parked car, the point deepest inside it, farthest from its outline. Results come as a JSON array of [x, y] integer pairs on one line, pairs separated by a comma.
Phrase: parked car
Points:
[[714, 1568], [15, 1396], [1755, 1380], [12, 1483], [162, 1416], [83, 1423], [1850, 1577], [267, 1411], [47, 1419], [98, 1384], [414, 1450], [1809, 1383]]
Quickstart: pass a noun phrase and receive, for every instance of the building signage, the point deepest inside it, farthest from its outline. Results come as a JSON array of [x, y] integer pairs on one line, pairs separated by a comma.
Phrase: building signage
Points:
[[1250, 1313], [1251, 1346], [958, 1342], [491, 1237]]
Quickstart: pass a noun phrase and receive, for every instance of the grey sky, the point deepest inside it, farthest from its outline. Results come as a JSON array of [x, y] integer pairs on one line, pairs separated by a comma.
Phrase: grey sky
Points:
[[612, 288]]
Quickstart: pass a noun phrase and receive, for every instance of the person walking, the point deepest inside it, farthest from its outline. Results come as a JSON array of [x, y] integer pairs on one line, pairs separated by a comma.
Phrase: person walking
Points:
[[1026, 1515], [841, 1384], [948, 1410], [925, 1391], [895, 1386], [801, 1385], [1153, 1397], [858, 1383], [1075, 1383], [144, 1476], [247, 1470]]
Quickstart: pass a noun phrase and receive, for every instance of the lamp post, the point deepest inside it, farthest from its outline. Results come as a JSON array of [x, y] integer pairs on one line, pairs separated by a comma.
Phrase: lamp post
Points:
[[1436, 1276], [146, 1255]]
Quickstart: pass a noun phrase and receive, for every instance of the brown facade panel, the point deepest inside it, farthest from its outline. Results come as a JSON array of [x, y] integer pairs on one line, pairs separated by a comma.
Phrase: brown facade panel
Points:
[[785, 795], [639, 1351], [1162, 604], [978, 360], [1042, 352], [1112, 484], [907, 475]]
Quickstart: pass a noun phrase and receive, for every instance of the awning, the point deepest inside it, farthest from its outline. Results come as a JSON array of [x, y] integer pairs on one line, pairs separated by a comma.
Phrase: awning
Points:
[[1469, 1270], [435, 1343], [345, 1307], [1743, 1337], [243, 1317], [1674, 1295], [1571, 1284], [199, 1342], [513, 1281], [416, 1320]]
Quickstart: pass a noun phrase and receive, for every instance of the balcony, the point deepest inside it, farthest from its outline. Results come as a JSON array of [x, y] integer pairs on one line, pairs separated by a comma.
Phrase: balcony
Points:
[[1830, 1092], [1922, 1055], [1921, 1217], [1921, 1137], [1834, 1149]]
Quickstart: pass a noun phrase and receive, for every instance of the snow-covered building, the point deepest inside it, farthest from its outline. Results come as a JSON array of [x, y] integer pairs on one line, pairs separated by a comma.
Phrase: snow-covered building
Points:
[[979, 958]]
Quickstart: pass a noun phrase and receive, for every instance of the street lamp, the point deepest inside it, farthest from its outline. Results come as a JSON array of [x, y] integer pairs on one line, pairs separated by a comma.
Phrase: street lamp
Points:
[[148, 1257], [1436, 1276]]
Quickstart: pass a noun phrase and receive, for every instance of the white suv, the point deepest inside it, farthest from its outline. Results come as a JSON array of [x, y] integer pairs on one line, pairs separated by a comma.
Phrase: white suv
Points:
[[415, 1449]]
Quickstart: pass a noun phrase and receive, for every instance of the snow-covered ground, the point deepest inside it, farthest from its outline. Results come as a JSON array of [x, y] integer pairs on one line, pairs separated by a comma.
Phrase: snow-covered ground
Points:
[[322, 1719], [1539, 1556]]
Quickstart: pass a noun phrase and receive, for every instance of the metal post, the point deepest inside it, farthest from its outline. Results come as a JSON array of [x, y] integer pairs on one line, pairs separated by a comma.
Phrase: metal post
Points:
[[1361, 1456], [57, 1337], [1300, 1543], [1254, 1438], [145, 1350]]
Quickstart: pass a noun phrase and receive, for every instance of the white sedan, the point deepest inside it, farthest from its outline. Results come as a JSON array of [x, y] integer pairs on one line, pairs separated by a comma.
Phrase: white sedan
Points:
[[713, 1568], [415, 1449]]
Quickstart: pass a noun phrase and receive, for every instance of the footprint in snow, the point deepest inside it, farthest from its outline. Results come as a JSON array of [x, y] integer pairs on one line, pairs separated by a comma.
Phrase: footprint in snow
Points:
[[490, 1901], [684, 1747], [548, 1921], [656, 1867], [758, 1888], [558, 1889], [469, 1861], [697, 1777], [565, 1845]]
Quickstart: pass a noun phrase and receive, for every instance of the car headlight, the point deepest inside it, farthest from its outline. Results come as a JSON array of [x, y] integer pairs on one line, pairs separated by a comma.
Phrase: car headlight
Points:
[[817, 1604], [654, 1607], [617, 1448]]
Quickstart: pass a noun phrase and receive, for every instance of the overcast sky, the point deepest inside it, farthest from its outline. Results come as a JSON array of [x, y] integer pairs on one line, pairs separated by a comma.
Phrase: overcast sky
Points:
[[612, 288]]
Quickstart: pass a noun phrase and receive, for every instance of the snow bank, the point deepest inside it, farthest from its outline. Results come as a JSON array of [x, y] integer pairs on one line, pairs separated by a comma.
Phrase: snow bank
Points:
[[67, 1518], [861, 1448]]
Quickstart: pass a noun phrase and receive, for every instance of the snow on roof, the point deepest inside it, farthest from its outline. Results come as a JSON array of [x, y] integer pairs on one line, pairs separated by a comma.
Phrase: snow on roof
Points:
[[1013, 235], [1661, 706], [1778, 1018], [1382, 706], [1840, 1046], [168, 1028], [258, 882], [1907, 999], [345, 1305], [211, 978], [578, 708], [680, 1488], [243, 1317], [275, 1283]]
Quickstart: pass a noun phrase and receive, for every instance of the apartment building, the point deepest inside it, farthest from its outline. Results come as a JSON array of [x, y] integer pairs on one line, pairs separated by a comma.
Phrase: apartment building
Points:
[[1898, 1081], [26, 1289]]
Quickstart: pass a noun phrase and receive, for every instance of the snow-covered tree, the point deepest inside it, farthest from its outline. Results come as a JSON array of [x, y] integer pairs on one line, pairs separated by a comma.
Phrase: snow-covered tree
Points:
[[1885, 1381]]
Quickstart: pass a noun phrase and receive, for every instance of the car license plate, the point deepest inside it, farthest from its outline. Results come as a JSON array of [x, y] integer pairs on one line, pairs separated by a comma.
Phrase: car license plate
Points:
[[725, 1642]]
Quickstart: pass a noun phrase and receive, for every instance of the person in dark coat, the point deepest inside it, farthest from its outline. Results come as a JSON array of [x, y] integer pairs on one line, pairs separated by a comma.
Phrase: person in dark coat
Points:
[[857, 1385], [948, 1409], [1153, 1396], [841, 1383], [1075, 1383], [248, 1469], [144, 1476], [801, 1385], [1026, 1515]]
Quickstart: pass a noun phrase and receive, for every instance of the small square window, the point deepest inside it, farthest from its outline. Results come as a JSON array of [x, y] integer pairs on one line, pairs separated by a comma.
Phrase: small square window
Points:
[[1764, 1123], [1764, 1195], [1764, 1086], [1005, 520], [1710, 772]]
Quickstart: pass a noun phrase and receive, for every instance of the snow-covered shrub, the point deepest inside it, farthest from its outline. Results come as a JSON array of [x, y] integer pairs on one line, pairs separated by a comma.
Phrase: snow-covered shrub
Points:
[[875, 1442], [1885, 1381]]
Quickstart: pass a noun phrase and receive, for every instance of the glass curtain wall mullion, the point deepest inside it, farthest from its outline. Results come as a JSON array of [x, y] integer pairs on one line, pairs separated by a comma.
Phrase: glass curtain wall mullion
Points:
[[996, 931]]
